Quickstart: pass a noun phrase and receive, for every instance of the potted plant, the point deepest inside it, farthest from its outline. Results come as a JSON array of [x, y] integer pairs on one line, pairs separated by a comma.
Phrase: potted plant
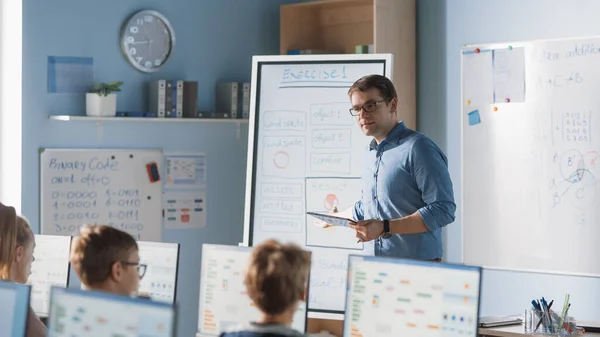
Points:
[[101, 100]]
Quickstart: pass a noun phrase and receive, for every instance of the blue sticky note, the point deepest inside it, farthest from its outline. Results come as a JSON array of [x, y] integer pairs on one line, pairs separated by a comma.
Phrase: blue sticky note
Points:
[[474, 118], [73, 75]]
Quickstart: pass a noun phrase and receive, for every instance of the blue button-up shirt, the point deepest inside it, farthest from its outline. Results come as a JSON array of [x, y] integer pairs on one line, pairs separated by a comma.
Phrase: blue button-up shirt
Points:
[[404, 174]]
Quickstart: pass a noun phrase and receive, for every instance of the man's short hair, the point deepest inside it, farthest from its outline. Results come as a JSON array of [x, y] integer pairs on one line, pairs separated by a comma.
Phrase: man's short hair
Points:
[[276, 276], [383, 84], [94, 252]]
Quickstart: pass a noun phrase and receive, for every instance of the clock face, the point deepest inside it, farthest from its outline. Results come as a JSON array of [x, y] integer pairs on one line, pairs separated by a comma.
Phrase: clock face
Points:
[[147, 40]]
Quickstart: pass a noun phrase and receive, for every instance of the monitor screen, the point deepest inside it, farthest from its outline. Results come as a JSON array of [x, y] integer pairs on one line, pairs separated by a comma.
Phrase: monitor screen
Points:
[[398, 297], [50, 268], [161, 260], [224, 302], [14, 309], [76, 312]]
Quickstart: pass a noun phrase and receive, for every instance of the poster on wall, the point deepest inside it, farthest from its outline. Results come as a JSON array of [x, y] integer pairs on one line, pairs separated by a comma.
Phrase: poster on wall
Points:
[[184, 191]]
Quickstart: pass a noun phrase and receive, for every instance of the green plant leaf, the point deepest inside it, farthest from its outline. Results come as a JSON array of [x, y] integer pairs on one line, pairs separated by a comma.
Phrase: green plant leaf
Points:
[[104, 89]]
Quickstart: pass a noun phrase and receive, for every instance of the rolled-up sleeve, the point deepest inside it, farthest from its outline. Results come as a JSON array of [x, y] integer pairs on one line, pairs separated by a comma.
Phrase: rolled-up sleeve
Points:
[[357, 212], [430, 168]]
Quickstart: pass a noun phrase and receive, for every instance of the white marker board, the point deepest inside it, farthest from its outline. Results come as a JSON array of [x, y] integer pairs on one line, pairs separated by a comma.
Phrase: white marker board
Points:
[[100, 186], [305, 154], [531, 170]]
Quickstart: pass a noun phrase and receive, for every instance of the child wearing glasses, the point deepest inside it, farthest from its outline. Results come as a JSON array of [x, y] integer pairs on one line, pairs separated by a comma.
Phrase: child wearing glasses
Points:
[[276, 280], [107, 259], [16, 255]]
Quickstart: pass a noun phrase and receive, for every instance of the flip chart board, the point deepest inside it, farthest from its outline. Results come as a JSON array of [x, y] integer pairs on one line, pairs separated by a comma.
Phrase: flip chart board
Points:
[[305, 154], [100, 186], [531, 166]]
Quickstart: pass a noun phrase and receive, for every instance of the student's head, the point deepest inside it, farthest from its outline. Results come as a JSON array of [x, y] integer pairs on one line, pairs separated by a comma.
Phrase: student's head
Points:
[[276, 277], [374, 104], [21, 267], [107, 259], [8, 240]]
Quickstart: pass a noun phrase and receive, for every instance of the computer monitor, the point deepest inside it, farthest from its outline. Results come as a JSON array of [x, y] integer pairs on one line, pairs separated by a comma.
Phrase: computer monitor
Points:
[[77, 312], [14, 308], [399, 297], [161, 260], [224, 302], [50, 268]]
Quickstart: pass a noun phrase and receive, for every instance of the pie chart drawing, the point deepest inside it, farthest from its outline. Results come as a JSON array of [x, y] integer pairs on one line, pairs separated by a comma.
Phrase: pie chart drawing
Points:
[[281, 159], [331, 201]]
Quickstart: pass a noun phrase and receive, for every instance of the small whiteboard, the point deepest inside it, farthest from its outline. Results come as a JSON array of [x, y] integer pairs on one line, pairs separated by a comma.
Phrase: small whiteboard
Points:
[[89, 186]]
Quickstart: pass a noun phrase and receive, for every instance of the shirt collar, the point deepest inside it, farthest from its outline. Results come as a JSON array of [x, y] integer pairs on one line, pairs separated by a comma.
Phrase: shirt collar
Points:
[[394, 135]]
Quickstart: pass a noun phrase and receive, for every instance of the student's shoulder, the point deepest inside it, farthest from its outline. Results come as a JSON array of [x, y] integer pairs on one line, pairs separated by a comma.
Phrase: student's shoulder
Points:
[[257, 330], [35, 327], [255, 334]]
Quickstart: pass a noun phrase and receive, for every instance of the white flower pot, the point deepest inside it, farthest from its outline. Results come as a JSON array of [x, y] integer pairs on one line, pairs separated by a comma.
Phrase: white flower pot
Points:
[[100, 106]]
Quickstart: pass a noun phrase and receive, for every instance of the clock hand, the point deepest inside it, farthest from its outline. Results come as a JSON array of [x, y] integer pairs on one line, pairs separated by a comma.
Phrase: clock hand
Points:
[[149, 43], [145, 32]]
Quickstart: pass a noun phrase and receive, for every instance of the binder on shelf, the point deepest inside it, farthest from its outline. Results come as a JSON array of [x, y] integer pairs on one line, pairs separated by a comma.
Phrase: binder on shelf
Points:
[[157, 97], [245, 100], [190, 99], [227, 98], [179, 99], [170, 99], [364, 49]]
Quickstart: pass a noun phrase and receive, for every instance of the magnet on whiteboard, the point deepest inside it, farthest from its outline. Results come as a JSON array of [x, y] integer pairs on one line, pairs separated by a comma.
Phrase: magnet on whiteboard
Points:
[[153, 172]]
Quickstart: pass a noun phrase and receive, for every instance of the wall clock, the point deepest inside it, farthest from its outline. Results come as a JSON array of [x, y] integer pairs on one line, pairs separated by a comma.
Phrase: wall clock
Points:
[[147, 40]]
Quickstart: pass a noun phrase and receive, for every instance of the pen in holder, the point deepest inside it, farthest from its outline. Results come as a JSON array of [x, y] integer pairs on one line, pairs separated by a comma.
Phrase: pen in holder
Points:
[[540, 322]]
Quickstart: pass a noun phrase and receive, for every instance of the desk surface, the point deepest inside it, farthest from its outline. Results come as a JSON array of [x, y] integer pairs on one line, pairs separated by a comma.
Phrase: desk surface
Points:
[[516, 331]]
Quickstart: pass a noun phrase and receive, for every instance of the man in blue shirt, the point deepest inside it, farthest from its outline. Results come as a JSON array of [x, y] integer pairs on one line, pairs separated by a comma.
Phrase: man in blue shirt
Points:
[[407, 195]]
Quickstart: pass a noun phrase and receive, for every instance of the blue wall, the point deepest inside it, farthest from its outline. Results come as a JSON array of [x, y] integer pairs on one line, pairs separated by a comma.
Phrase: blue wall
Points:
[[445, 26], [215, 41]]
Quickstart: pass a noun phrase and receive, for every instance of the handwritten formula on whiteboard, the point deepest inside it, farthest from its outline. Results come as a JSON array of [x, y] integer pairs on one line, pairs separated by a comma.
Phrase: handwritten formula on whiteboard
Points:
[[109, 187]]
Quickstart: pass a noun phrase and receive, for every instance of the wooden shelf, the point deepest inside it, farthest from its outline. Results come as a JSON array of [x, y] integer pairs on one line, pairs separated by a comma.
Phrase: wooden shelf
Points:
[[66, 118], [327, 25], [340, 25]]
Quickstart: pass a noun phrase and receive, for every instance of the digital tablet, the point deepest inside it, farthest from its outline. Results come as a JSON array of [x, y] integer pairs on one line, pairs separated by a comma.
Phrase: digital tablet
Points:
[[332, 219]]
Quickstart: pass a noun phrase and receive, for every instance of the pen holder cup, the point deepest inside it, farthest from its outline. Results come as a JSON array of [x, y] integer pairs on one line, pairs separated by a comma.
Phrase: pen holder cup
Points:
[[549, 324], [533, 322]]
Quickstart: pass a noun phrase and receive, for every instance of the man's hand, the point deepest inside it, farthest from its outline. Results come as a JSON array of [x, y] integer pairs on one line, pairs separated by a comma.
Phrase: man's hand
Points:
[[368, 230]]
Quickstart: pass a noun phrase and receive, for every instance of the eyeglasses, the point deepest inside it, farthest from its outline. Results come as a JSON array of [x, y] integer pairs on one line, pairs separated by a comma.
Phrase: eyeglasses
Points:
[[368, 107], [141, 268]]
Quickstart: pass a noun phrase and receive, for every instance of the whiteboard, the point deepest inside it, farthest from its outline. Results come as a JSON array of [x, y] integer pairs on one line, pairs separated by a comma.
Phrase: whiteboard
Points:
[[305, 154], [104, 187], [530, 170]]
